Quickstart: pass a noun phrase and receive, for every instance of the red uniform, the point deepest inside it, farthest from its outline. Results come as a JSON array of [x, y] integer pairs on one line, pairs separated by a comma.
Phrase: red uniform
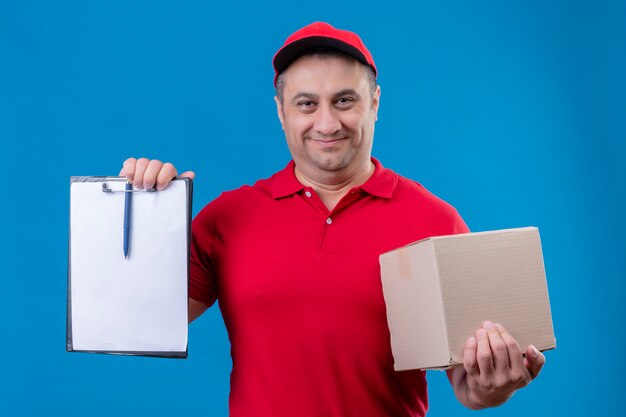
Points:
[[300, 292]]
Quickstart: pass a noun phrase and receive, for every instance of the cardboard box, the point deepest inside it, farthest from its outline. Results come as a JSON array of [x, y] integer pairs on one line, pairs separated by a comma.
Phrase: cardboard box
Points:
[[439, 290]]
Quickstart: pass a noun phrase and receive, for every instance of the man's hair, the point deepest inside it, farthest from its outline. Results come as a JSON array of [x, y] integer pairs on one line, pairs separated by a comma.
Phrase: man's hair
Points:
[[326, 52]]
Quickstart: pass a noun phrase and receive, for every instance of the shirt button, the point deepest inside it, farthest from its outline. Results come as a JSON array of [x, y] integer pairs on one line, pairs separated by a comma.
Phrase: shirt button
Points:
[[329, 220], [307, 193]]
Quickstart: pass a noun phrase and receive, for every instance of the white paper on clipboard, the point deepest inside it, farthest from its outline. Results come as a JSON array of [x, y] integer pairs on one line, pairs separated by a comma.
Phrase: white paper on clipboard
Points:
[[134, 306]]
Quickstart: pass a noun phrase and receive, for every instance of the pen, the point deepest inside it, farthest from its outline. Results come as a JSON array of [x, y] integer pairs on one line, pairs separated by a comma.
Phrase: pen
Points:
[[127, 207]]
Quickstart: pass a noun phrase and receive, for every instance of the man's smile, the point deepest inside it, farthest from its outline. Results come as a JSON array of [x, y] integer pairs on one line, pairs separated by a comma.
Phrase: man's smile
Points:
[[328, 142]]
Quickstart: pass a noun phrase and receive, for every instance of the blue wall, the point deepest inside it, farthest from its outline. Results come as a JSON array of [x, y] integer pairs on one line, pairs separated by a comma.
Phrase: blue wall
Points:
[[515, 112]]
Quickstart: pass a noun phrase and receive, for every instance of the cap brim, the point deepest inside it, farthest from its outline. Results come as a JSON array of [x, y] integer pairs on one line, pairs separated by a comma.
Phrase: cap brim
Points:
[[294, 50]]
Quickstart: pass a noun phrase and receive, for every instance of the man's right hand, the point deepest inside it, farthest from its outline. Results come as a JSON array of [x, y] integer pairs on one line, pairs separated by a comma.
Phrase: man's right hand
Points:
[[145, 173]]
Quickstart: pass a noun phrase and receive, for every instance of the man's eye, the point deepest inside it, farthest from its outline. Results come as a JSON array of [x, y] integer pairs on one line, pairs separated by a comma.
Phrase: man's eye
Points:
[[345, 100], [305, 103]]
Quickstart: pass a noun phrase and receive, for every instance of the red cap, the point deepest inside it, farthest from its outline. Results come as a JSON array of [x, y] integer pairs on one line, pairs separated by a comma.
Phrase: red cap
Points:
[[321, 34]]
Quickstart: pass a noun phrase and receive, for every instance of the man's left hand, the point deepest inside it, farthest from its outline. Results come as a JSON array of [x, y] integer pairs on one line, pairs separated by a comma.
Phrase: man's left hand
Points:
[[493, 368]]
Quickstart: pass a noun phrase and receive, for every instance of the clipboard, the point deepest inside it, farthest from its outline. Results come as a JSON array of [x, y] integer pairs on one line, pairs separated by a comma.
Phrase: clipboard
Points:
[[135, 306]]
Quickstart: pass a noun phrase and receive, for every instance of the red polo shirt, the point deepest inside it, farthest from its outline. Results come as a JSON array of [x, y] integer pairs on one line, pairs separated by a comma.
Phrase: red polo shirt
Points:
[[300, 293]]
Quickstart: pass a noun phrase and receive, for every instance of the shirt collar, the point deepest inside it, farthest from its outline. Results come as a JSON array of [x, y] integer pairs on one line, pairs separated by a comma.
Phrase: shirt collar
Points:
[[381, 184], [285, 183]]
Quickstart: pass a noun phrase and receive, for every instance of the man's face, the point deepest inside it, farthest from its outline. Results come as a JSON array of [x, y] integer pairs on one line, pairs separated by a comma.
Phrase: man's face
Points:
[[328, 115]]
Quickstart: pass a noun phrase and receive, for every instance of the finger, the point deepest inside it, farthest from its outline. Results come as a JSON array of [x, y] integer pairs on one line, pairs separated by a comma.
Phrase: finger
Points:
[[498, 347], [166, 175], [188, 174], [469, 357], [152, 171], [483, 353], [534, 361], [514, 352], [128, 168], [140, 169]]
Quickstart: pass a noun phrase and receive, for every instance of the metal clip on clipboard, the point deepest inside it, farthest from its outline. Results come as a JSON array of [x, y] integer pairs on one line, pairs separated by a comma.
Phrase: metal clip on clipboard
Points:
[[106, 189]]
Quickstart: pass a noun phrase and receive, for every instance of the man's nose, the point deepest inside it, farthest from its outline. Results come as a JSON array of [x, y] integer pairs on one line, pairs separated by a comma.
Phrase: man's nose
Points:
[[327, 121]]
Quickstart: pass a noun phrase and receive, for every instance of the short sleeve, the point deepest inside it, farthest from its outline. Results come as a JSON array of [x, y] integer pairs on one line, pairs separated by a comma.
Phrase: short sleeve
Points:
[[459, 225]]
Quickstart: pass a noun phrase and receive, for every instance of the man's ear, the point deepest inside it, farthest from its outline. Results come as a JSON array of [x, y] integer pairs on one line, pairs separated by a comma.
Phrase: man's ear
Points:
[[279, 110], [376, 102]]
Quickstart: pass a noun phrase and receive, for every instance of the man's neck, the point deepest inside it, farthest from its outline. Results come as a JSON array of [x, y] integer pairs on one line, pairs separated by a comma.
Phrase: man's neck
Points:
[[332, 188]]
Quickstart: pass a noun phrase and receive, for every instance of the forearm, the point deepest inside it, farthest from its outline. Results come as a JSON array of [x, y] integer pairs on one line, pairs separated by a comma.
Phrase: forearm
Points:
[[196, 308]]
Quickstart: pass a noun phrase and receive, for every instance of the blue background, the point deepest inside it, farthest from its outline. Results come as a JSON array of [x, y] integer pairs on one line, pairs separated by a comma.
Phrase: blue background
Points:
[[514, 112]]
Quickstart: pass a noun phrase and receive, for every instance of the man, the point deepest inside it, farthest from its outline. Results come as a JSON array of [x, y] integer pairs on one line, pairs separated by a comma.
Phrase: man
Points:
[[293, 259]]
